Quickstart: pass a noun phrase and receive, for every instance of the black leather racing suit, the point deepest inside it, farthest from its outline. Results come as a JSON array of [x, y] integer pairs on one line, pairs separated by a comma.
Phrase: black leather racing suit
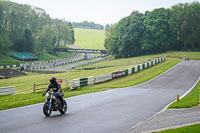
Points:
[[56, 87]]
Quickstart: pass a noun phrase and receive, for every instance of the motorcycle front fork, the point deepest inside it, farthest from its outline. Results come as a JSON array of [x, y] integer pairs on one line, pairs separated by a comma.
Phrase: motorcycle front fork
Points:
[[49, 102]]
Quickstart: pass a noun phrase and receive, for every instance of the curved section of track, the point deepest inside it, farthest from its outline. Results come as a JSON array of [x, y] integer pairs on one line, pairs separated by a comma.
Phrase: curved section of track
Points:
[[112, 111]]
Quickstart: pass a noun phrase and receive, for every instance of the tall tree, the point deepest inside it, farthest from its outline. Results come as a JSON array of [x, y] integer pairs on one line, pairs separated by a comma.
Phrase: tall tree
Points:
[[184, 24], [30, 28], [126, 36], [156, 35]]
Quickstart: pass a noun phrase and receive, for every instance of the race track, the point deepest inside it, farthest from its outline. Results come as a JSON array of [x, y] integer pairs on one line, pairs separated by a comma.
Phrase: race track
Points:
[[112, 111]]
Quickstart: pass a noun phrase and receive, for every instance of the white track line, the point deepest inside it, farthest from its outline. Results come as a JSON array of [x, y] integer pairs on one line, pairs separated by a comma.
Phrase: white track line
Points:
[[172, 127], [165, 108]]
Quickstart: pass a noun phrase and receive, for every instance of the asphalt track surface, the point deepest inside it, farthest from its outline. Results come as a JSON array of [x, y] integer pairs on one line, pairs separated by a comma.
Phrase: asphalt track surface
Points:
[[112, 111]]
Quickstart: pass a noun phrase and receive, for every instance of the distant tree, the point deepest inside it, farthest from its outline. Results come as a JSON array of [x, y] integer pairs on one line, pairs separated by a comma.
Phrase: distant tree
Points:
[[45, 40], [72, 33], [123, 39], [184, 25], [87, 25], [156, 35], [177, 28], [28, 41], [107, 26], [28, 28]]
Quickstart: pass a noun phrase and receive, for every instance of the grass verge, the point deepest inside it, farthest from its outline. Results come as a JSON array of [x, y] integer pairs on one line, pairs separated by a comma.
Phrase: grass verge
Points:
[[188, 129], [19, 100], [191, 100], [46, 56], [137, 78]]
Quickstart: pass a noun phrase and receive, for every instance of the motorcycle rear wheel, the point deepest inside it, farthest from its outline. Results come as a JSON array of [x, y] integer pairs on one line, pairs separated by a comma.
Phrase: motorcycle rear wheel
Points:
[[47, 111], [64, 108]]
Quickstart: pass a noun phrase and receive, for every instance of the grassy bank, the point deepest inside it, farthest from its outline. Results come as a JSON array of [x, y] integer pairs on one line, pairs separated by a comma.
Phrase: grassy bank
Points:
[[6, 60], [188, 129], [58, 55], [192, 99], [139, 77], [176, 54], [19, 100]]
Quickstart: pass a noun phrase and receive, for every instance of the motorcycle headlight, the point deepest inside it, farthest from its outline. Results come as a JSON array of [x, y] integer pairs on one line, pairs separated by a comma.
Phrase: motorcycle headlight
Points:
[[47, 94]]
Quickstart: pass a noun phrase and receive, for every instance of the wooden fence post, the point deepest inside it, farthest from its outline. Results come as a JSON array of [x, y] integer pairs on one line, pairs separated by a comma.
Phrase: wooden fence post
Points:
[[34, 88]]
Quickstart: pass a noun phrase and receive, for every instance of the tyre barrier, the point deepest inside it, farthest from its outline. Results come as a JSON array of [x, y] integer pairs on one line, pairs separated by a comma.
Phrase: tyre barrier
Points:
[[10, 90], [42, 63], [75, 83]]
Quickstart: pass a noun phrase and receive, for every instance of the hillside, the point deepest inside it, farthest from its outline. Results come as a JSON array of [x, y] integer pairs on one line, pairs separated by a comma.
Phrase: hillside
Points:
[[89, 38]]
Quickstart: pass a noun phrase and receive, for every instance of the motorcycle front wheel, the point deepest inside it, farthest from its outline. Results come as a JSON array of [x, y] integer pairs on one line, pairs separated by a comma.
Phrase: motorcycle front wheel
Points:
[[46, 109], [64, 108]]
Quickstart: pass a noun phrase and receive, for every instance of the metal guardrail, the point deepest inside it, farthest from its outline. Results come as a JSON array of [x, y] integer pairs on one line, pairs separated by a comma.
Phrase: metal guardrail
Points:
[[102, 78], [10, 90]]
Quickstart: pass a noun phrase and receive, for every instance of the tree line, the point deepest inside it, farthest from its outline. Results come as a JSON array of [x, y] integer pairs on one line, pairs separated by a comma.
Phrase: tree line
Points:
[[177, 28], [87, 25], [30, 29]]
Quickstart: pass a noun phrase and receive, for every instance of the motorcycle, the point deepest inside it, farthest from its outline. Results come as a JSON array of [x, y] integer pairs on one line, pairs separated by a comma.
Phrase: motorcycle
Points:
[[53, 103]]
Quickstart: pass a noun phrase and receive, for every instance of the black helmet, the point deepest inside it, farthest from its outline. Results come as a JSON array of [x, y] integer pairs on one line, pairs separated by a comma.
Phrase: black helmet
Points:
[[53, 80]]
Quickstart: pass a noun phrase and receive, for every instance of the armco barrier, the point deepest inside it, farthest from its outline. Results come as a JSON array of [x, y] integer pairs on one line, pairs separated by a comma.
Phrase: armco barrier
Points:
[[133, 70], [91, 80], [138, 68], [129, 71], [126, 72], [141, 67], [118, 74], [102, 78], [7, 90], [44, 62], [75, 83], [83, 82]]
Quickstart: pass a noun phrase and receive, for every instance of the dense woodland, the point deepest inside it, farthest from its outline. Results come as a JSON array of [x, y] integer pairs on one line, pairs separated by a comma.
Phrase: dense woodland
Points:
[[177, 28], [87, 25], [30, 29]]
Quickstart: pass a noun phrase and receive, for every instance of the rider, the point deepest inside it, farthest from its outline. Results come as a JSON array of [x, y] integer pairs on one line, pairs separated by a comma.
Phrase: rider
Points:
[[56, 87]]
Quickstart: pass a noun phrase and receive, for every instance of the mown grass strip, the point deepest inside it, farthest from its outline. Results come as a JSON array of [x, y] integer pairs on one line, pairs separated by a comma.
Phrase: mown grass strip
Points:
[[191, 100], [14, 101], [188, 129]]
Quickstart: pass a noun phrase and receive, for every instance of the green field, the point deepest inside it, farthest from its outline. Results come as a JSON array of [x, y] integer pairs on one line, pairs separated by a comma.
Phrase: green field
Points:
[[89, 38], [188, 129]]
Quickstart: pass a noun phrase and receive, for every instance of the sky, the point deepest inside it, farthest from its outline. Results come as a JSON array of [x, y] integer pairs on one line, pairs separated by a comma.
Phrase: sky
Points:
[[99, 11]]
